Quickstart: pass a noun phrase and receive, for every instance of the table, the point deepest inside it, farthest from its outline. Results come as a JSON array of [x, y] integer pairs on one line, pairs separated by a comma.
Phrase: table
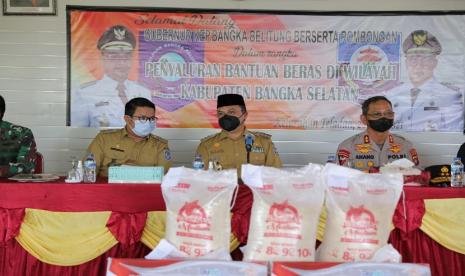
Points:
[[433, 228], [129, 221], [429, 227], [117, 213]]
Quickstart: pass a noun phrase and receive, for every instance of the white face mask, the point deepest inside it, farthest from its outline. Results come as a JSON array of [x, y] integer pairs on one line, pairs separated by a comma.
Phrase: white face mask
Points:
[[143, 129]]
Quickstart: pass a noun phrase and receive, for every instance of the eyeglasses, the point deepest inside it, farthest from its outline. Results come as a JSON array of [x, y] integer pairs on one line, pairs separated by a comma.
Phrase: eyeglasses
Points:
[[377, 115], [144, 119]]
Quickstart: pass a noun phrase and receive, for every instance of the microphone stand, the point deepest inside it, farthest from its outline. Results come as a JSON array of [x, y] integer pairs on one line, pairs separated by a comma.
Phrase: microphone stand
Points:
[[248, 148]]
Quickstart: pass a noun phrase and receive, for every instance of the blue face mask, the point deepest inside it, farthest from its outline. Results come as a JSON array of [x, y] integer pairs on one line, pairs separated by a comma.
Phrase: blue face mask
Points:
[[143, 129]]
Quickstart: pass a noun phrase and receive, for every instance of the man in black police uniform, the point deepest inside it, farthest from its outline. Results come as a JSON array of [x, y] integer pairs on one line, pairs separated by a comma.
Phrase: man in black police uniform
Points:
[[376, 146]]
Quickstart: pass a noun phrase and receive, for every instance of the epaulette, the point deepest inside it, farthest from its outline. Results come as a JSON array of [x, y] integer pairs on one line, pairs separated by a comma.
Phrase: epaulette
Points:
[[144, 85], [163, 140], [208, 137], [402, 138], [261, 134], [451, 86], [87, 84], [111, 130]]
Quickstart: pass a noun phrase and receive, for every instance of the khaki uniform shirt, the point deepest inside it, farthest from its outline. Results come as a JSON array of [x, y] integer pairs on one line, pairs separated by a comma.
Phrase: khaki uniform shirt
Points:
[[232, 153], [361, 153], [115, 147]]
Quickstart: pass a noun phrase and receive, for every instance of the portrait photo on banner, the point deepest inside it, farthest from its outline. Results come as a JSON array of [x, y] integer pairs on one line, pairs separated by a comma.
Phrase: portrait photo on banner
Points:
[[294, 70]]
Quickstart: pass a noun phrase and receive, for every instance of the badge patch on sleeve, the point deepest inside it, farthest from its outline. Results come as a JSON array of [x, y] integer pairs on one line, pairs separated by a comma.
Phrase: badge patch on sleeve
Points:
[[413, 153], [167, 155], [343, 155]]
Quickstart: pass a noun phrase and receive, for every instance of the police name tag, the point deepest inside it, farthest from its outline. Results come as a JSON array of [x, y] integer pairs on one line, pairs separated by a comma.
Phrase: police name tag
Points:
[[134, 174]]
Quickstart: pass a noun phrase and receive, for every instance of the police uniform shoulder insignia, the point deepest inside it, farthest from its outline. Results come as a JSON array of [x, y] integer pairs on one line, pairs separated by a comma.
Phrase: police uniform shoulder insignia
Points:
[[87, 84], [261, 134]]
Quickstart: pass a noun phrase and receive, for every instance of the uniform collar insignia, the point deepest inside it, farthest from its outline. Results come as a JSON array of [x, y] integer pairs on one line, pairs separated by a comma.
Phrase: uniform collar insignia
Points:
[[390, 139], [366, 139]]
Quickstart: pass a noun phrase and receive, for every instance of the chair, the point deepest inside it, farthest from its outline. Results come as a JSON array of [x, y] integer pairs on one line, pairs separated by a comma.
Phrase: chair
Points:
[[39, 163]]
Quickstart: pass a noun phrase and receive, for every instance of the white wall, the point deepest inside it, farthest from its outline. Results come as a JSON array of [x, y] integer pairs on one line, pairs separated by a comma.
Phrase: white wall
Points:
[[33, 83]]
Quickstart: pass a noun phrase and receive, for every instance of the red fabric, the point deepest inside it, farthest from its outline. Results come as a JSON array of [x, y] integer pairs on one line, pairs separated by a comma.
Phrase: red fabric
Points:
[[14, 260], [10, 223], [415, 210], [60, 196], [412, 193], [420, 248], [127, 228], [241, 213]]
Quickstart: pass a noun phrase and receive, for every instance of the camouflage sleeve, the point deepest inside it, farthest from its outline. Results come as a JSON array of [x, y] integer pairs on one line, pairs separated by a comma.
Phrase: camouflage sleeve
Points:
[[164, 157], [25, 159], [272, 157]]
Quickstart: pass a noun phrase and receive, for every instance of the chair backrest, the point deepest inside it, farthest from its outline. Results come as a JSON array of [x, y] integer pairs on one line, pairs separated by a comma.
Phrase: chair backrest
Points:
[[39, 168]]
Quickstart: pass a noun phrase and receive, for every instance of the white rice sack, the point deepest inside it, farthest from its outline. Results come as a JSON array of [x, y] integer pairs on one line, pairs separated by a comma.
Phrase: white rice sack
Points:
[[198, 209], [285, 212], [359, 210]]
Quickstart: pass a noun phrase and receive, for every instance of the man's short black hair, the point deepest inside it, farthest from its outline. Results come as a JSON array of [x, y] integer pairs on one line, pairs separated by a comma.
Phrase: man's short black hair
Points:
[[2, 107], [131, 106], [371, 100]]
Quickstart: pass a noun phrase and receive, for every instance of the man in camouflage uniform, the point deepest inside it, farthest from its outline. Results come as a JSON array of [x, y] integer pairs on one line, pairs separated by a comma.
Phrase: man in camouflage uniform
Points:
[[228, 147], [101, 103], [425, 104], [376, 146], [134, 144], [17, 147]]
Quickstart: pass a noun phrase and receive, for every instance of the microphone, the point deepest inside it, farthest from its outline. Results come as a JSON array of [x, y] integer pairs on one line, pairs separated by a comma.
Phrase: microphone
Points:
[[249, 139]]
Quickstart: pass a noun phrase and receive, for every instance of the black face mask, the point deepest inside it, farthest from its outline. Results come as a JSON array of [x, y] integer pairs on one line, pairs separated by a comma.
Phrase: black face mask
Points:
[[229, 123], [382, 124]]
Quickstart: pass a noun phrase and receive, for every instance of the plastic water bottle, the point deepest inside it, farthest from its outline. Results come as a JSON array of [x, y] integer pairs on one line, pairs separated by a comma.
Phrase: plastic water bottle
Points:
[[198, 164], [331, 159], [90, 169], [456, 173], [80, 171]]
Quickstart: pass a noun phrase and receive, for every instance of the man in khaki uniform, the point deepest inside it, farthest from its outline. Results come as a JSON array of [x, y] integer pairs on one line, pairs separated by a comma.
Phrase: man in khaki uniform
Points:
[[134, 144], [235, 143], [376, 146]]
